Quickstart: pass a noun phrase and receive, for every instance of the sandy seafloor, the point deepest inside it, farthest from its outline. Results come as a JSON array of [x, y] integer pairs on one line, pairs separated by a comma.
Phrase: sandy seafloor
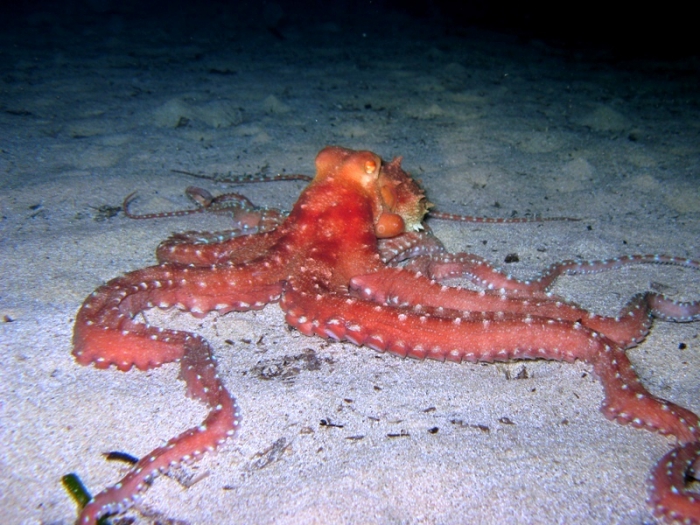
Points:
[[493, 125]]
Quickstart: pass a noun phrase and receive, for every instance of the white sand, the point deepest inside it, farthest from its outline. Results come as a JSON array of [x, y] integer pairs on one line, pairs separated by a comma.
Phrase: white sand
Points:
[[90, 113]]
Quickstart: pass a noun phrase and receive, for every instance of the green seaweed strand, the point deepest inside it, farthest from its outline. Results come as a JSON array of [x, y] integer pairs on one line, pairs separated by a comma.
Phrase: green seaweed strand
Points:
[[71, 482]]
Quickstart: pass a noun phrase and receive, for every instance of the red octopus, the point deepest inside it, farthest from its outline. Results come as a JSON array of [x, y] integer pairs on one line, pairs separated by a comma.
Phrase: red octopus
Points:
[[350, 262]]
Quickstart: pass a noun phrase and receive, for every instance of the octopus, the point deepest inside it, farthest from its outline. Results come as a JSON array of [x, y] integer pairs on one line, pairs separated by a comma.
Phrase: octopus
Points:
[[353, 261]]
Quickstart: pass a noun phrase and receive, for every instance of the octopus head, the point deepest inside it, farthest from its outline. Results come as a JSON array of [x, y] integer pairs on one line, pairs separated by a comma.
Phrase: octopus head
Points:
[[402, 196], [398, 202]]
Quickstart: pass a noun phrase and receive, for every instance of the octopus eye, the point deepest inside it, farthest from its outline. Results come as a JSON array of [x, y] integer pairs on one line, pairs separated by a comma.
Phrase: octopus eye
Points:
[[370, 166]]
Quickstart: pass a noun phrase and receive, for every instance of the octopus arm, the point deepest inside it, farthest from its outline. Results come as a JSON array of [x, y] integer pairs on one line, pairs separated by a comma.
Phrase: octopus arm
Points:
[[667, 491], [409, 245], [441, 266], [205, 249], [453, 336], [490, 337], [106, 331], [394, 286], [198, 369]]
